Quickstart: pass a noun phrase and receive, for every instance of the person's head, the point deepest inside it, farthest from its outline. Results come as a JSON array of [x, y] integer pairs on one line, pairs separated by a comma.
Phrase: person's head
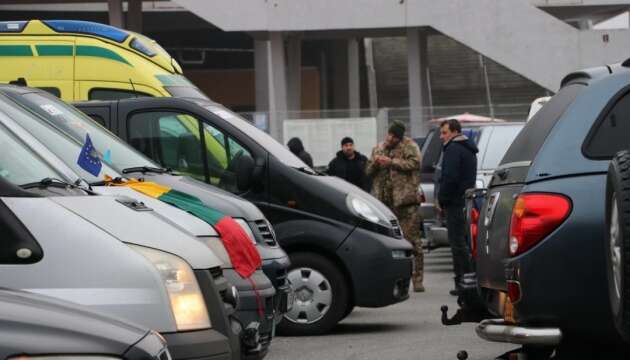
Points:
[[449, 129], [347, 146], [295, 145], [395, 134]]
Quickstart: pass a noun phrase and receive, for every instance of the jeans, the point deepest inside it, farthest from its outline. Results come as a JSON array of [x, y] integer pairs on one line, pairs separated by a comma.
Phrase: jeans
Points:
[[455, 225]]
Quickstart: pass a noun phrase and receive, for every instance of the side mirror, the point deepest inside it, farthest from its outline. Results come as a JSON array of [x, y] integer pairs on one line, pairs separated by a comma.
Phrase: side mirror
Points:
[[244, 170]]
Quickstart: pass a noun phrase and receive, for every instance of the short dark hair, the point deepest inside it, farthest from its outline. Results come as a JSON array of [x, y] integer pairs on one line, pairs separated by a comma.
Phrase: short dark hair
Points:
[[453, 125], [347, 140]]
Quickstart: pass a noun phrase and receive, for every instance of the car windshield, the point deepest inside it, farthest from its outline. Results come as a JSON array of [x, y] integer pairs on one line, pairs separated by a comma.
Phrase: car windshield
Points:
[[18, 163], [30, 115], [265, 140], [65, 118]]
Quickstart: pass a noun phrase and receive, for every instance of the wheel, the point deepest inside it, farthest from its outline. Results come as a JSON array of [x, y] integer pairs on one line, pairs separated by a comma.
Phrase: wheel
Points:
[[321, 296], [618, 241], [348, 311]]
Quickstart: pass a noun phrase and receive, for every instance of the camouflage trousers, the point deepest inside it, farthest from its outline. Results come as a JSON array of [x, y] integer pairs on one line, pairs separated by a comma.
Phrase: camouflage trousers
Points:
[[410, 220]]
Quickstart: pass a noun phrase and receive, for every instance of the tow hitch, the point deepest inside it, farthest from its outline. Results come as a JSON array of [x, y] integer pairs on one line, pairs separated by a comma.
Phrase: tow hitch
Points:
[[471, 306]]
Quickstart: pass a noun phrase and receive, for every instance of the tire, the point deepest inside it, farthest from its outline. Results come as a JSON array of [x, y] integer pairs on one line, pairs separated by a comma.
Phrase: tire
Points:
[[617, 242], [321, 296]]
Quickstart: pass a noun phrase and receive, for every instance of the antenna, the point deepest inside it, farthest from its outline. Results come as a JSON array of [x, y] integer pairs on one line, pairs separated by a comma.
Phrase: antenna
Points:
[[135, 93]]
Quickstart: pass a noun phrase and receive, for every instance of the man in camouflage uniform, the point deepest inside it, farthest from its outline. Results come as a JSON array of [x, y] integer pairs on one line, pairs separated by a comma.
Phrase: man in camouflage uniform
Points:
[[395, 170]]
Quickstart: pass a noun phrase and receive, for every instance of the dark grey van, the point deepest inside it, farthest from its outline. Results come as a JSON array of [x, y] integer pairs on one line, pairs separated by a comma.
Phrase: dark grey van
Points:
[[346, 247]]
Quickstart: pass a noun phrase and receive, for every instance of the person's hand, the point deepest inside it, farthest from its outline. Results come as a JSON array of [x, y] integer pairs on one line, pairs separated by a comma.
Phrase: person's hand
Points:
[[384, 161]]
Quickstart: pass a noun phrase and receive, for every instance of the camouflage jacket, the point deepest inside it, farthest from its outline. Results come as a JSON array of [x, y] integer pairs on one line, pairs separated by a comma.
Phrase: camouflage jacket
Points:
[[396, 185]]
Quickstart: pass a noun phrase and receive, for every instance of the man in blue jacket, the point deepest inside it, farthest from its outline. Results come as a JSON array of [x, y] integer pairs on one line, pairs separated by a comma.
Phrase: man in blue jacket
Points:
[[459, 171]]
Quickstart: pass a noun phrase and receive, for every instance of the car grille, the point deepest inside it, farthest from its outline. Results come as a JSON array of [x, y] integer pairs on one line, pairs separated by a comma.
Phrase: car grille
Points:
[[396, 228], [266, 231]]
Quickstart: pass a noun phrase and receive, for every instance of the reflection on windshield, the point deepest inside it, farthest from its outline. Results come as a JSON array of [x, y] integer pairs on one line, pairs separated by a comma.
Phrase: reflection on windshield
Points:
[[75, 124], [58, 142], [265, 140], [18, 163]]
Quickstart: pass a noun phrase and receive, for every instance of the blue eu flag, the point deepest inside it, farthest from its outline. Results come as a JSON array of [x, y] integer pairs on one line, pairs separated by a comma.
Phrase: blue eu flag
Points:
[[88, 158]]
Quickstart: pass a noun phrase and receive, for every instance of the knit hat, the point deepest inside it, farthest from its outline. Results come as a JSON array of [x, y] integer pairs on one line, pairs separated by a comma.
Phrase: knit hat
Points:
[[347, 140], [397, 129]]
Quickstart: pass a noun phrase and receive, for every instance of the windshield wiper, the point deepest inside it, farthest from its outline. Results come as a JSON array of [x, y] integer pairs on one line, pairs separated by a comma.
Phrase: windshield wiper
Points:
[[147, 169], [48, 182]]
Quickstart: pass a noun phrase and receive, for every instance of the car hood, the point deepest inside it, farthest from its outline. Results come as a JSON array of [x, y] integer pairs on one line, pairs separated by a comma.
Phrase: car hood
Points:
[[211, 196], [176, 217], [140, 227], [38, 324]]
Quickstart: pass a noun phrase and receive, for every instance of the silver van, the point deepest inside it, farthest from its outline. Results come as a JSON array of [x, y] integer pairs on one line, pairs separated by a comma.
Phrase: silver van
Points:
[[258, 327], [110, 254]]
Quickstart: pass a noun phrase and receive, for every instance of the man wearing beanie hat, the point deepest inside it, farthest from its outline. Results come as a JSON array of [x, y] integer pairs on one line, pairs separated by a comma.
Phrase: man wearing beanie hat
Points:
[[395, 171], [349, 165]]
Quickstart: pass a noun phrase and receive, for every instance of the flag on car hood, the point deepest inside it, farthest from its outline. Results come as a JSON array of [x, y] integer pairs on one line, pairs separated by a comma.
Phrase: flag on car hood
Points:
[[242, 252]]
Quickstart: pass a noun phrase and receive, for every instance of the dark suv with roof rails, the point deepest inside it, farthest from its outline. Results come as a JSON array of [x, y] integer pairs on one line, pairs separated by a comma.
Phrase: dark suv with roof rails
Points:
[[542, 254]]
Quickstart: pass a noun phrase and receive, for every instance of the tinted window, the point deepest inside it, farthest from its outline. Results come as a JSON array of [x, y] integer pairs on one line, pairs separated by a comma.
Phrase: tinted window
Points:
[[223, 154], [114, 94], [531, 138], [51, 90], [610, 134], [170, 138]]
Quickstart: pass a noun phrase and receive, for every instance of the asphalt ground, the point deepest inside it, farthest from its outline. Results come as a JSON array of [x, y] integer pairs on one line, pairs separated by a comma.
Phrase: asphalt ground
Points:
[[410, 330]]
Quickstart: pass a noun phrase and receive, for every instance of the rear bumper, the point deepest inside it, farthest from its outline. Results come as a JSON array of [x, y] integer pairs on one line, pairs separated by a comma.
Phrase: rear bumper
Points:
[[497, 330], [377, 277], [199, 345]]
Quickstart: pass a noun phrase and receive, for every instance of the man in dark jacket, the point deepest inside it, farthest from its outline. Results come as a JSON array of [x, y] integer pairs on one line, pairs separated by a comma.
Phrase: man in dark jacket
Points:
[[349, 165], [459, 172], [296, 147]]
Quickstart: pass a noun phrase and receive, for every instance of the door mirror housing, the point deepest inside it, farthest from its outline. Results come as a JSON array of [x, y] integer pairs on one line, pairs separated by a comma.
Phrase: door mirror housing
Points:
[[244, 170]]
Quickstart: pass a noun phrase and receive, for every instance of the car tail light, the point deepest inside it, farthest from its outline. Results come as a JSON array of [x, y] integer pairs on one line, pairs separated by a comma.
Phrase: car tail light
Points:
[[514, 291], [535, 216], [474, 230]]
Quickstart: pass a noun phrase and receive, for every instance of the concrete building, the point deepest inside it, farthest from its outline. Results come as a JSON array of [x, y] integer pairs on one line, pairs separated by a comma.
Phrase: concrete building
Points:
[[293, 55]]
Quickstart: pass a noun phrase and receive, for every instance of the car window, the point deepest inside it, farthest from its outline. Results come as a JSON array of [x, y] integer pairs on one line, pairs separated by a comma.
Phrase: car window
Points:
[[33, 117], [610, 134], [500, 140], [534, 133], [223, 155], [170, 138], [114, 94], [18, 163]]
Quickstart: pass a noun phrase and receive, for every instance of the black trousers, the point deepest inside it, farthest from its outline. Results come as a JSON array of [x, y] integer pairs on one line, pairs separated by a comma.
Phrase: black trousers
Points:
[[455, 224]]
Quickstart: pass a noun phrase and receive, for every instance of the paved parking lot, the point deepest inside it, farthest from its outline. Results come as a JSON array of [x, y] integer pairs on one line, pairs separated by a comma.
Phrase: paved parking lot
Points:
[[411, 330]]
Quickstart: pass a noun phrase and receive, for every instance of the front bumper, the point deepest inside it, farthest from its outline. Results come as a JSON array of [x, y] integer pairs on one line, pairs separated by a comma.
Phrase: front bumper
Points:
[[248, 312], [498, 330], [378, 279], [199, 345]]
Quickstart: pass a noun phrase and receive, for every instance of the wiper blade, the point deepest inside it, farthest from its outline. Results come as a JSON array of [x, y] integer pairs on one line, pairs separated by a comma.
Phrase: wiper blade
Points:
[[147, 169], [48, 182]]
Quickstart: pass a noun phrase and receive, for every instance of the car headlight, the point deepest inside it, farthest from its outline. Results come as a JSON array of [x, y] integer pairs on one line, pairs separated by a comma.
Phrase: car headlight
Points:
[[187, 303], [245, 226], [366, 210]]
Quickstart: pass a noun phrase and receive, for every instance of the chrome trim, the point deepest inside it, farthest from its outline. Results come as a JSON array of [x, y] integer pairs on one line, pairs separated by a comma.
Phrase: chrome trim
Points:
[[497, 330]]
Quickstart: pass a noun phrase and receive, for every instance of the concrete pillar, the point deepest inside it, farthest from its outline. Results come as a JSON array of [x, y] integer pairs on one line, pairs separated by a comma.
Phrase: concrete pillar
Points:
[[115, 9], [271, 83], [134, 15], [294, 73], [339, 75], [417, 59], [354, 81]]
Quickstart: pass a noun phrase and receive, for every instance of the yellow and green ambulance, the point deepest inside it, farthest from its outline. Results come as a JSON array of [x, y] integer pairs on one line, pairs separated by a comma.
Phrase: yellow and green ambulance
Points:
[[82, 60]]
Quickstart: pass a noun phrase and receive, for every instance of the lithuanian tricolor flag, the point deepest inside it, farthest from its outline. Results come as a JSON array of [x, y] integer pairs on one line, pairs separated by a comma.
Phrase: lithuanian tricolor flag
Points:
[[242, 252]]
